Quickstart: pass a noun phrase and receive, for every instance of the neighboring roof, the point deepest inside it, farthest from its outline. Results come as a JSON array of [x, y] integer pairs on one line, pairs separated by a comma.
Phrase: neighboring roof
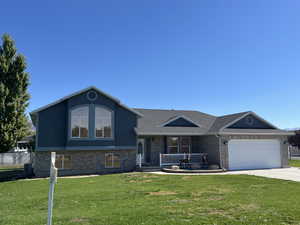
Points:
[[151, 122], [82, 91], [27, 139]]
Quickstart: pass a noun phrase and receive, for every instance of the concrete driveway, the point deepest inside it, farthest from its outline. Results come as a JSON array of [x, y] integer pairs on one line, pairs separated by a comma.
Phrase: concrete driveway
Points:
[[292, 173]]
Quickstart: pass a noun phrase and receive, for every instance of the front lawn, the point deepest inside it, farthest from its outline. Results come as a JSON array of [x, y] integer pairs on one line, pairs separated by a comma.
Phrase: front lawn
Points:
[[140, 198], [294, 163]]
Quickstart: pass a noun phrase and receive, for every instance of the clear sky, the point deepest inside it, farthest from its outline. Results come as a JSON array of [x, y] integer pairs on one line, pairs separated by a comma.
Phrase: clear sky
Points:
[[216, 56]]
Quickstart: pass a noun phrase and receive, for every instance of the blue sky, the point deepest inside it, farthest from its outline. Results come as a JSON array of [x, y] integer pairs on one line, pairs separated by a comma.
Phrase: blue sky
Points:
[[218, 57]]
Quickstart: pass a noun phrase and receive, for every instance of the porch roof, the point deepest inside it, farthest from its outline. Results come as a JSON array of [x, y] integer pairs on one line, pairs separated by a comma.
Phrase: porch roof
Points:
[[182, 131]]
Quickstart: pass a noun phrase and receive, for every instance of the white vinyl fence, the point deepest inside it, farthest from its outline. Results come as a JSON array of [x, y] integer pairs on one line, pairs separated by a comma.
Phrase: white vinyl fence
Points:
[[294, 152], [15, 159]]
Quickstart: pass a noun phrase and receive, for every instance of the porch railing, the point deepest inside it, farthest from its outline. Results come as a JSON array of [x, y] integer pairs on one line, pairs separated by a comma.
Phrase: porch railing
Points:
[[175, 159]]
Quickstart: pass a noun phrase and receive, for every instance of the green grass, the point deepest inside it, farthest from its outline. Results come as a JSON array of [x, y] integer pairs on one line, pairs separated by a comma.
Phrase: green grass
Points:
[[140, 198], [294, 163]]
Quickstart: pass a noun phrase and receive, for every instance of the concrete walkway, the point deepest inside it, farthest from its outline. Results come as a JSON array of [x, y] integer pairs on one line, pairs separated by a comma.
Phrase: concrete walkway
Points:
[[292, 173]]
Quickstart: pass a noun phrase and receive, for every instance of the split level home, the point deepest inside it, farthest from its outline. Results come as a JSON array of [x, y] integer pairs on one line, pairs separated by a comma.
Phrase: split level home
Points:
[[93, 132]]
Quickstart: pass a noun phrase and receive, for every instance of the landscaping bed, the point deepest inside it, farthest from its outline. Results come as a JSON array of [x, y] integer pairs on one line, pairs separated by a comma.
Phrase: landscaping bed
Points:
[[294, 163]]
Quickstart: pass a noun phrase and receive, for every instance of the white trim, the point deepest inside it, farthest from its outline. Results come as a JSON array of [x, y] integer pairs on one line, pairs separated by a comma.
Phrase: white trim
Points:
[[213, 133], [88, 119], [243, 116], [239, 133], [178, 117], [63, 160], [142, 154], [112, 123], [170, 134], [80, 92], [179, 144]]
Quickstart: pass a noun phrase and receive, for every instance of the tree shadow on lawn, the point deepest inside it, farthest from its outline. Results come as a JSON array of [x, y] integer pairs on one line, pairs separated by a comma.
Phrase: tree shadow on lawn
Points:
[[11, 174]]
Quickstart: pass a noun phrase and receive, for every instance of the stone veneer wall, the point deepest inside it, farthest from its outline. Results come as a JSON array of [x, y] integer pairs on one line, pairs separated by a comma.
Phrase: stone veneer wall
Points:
[[85, 162], [224, 147]]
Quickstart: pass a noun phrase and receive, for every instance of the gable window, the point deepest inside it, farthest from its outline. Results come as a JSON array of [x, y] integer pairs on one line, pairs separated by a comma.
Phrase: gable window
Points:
[[80, 122], [112, 160], [103, 123], [63, 161]]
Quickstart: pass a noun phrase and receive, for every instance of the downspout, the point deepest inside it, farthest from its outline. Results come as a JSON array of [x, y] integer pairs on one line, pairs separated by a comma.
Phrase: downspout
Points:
[[220, 157]]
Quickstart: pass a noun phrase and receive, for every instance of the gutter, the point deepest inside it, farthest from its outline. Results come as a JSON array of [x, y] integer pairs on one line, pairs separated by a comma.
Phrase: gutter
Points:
[[279, 134]]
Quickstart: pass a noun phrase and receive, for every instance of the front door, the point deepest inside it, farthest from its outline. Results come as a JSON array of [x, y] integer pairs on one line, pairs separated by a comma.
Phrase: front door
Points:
[[141, 148]]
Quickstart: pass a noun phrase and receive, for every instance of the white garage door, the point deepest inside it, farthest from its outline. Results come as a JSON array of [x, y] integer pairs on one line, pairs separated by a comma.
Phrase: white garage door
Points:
[[254, 154]]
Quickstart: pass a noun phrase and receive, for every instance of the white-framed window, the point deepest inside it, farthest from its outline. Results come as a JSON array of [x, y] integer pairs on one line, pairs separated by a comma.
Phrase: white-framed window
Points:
[[103, 123], [173, 145], [80, 122], [178, 144], [63, 161], [112, 160]]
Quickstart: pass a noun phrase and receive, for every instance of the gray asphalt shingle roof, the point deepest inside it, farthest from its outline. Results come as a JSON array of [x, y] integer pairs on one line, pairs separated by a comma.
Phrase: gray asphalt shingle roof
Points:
[[152, 120], [222, 121]]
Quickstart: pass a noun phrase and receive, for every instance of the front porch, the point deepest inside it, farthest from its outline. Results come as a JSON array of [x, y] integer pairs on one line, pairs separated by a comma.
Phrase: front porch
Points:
[[164, 151]]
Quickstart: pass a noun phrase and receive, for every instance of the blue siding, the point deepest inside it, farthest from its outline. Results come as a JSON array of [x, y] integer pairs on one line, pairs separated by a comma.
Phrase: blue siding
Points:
[[52, 126], [181, 122], [53, 130], [256, 124]]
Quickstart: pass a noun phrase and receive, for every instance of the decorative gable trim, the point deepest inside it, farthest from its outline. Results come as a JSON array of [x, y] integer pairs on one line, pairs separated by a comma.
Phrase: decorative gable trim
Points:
[[82, 91], [176, 118], [246, 114]]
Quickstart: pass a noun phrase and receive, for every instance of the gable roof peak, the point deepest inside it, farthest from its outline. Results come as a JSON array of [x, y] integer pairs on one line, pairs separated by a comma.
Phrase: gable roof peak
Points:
[[174, 118], [82, 91]]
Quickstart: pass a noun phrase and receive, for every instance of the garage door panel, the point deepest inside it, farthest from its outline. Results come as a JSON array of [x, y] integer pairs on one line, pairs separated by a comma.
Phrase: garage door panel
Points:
[[254, 154]]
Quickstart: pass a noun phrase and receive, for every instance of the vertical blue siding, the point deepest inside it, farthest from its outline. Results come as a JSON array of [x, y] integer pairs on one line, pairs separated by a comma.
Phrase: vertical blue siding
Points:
[[53, 125]]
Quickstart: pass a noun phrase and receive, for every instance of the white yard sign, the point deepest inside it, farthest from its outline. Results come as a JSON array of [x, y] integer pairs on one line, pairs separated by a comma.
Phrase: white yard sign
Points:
[[53, 177]]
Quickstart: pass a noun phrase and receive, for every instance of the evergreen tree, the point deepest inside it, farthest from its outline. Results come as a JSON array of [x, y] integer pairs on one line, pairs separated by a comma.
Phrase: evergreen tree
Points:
[[14, 97]]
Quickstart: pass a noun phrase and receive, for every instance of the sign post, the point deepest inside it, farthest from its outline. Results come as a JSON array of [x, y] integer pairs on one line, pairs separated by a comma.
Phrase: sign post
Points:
[[53, 178]]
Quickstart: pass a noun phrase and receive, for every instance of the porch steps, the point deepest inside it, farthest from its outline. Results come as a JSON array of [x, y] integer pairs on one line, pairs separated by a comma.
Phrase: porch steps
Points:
[[149, 169]]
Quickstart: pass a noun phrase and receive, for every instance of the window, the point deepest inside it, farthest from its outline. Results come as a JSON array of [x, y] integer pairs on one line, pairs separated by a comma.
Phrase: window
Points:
[[249, 120], [92, 95], [63, 161], [173, 143], [185, 143], [80, 122], [112, 160], [103, 123], [178, 145]]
